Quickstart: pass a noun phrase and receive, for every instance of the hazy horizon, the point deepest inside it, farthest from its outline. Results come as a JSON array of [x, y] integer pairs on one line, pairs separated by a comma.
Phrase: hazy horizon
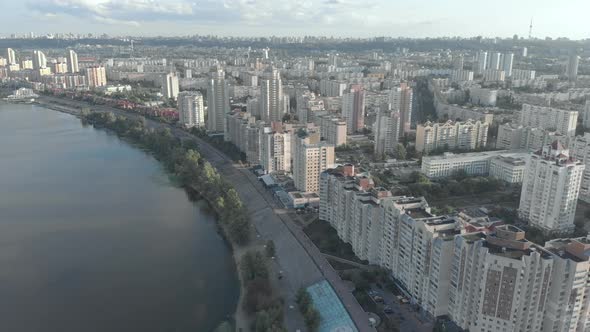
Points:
[[338, 18]]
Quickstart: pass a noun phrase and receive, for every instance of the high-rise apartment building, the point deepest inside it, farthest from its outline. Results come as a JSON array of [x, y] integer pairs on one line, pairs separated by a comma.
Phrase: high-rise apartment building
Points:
[[550, 189], [397, 233], [330, 88], [401, 99], [275, 149], [571, 70], [11, 56], [517, 137], [353, 109], [191, 111], [272, 104], [332, 129], [499, 281], [170, 87], [310, 158], [73, 61], [494, 61], [387, 130], [484, 279], [568, 302], [468, 135], [562, 121], [586, 115], [482, 61], [217, 101], [39, 60], [581, 152], [96, 76], [458, 62], [507, 62], [244, 132], [59, 67], [26, 64]]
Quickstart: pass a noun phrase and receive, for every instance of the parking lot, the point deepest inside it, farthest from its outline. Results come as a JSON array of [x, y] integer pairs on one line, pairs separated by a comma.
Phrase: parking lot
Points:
[[399, 311]]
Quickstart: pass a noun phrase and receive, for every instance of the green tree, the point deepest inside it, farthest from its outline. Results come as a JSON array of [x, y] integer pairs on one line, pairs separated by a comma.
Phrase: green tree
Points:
[[270, 248], [253, 265], [400, 152]]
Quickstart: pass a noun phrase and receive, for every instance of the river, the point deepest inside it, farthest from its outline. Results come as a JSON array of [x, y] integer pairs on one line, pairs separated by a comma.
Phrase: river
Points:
[[94, 236]]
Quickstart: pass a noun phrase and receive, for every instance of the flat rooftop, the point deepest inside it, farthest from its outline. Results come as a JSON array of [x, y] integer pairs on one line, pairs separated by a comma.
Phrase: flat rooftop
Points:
[[418, 213], [480, 155], [334, 316]]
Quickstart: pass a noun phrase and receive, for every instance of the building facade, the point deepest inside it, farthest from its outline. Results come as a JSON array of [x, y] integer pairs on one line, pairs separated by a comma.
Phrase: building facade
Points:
[[217, 101], [468, 135], [550, 189], [353, 109], [191, 111]]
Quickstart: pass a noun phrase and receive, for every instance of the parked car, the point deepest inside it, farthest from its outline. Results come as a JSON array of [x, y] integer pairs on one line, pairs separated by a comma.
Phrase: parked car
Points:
[[388, 310], [378, 299]]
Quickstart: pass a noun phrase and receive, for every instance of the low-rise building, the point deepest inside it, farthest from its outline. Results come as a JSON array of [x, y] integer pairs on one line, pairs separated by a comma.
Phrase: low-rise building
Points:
[[508, 169], [473, 164]]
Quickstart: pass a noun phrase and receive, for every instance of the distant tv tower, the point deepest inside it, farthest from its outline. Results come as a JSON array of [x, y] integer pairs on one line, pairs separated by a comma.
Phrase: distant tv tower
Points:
[[531, 29]]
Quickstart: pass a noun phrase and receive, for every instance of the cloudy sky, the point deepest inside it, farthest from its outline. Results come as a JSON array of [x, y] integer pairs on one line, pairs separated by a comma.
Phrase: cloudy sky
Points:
[[358, 18]]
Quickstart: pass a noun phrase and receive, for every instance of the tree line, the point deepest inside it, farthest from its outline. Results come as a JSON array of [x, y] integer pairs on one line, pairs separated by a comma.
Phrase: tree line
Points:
[[182, 159]]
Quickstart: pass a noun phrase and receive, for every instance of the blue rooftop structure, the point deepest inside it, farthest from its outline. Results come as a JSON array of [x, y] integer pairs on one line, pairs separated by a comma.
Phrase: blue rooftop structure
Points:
[[334, 316]]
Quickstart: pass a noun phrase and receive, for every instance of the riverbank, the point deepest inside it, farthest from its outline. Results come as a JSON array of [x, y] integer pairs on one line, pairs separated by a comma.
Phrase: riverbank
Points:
[[298, 261]]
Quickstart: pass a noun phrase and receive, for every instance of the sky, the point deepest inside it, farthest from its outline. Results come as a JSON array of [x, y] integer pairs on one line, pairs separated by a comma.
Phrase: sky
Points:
[[342, 18]]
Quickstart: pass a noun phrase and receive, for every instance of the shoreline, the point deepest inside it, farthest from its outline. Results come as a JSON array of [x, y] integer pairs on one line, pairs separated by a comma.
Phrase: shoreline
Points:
[[239, 319]]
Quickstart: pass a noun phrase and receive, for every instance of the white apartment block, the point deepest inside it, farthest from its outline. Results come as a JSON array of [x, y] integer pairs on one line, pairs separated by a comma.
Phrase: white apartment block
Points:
[[73, 62], [508, 169], [401, 99], [523, 74], [568, 302], [275, 150], [494, 75], [397, 233], [272, 103], [191, 111], [474, 164], [217, 101], [170, 86], [482, 61], [581, 152], [387, 130], [499, 282], [96, 76], [329, 88], [586, 115], [310, 158], [461, 75], [562, 121], [332, 129], [490, 282], [517, 137], [466, 135], [483, 97], [244, 132], [550, 189]]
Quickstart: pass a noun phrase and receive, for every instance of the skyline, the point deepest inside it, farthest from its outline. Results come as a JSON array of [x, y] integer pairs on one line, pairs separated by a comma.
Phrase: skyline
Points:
[[339, 18]]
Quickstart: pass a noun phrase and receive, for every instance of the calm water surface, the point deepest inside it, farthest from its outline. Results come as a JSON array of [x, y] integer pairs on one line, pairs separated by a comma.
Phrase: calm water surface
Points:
[[95, 237]]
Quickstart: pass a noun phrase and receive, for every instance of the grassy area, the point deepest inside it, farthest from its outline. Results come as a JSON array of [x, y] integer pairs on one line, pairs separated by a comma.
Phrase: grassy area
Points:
[[327, 240], [339, 266]]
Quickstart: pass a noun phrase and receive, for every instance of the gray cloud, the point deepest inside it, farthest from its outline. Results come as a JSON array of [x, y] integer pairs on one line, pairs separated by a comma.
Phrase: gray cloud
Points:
[[252, 12]]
